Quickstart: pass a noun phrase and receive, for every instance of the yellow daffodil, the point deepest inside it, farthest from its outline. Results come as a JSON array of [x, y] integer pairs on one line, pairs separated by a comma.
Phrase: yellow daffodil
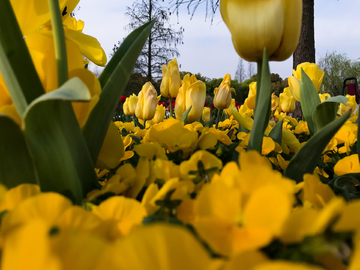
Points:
[[287, 101], [274, 25], [222, 94], [191, 93], [147, 102], [170, 83]]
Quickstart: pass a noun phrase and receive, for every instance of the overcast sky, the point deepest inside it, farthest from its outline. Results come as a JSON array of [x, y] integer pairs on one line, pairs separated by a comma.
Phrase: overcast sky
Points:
[[208, 48]]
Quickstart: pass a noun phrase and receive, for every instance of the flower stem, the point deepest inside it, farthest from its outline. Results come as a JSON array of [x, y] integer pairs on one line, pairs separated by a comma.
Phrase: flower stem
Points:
[[59, 42], [171, 108], [217, 118]]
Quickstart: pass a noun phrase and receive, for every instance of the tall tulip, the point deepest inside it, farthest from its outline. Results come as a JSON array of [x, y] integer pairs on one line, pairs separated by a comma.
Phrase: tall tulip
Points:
[[257, 24], [287, 101], [146, 106], [222, 94], [191, 93], [170, 79], [130, 105]]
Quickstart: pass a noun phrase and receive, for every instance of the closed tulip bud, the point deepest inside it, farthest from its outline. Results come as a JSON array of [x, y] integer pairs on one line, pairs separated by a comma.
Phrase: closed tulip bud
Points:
[[170, 79], [312, 70], [129, 106], [222, 95], [191, 93], [257, 24], [146, 105], [287, 101], [159, 114], [206, 114], [251, 99]]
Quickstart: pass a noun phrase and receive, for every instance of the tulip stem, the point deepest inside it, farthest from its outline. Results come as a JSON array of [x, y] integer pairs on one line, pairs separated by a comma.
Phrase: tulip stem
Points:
[[59, 42], [217, 118], [171, 108], [133, 118]]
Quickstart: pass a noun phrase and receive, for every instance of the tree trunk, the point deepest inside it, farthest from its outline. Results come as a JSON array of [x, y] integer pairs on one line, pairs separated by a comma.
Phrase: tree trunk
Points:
[[305, 51], [149, 75]]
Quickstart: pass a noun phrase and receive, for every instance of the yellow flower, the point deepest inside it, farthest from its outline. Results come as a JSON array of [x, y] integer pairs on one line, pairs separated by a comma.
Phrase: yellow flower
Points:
[[171, 80], [351, 104], [251, 99], [255, 25], [191, 93], [347, 165], [206, 114], [159, 114], [207, 160], [312, 70], [324, 96], [222, 94], [146, 106], [130, 105], [274, 102], [287, 101]]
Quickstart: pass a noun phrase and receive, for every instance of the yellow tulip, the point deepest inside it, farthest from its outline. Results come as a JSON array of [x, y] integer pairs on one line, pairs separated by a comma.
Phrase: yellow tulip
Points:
[[255, 25], [349, 164], [222, 95], [324, 96], [312, 70], [191, 93], [206, 114], [146, 106], [287, 101], [159, 114], [171, 79], [130, 105], [251, 99], [274, 102]]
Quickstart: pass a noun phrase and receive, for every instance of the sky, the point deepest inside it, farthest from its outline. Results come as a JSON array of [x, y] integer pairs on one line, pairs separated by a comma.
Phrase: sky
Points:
[[208, 48]]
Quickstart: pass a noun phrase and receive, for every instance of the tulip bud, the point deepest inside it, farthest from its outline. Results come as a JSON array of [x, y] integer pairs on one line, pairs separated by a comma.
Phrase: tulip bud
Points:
[[206, 114], [287, 101], [222, 95], [171, 80], [159, 114], [257, 24], [146, 105], [129, 106], [191, 93], [251, 99]]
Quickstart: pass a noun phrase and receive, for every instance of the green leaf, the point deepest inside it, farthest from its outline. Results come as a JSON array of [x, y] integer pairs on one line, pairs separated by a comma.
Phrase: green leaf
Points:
[[114, 80], [262, 107], [55, 140], [185, 114], [339, 99], [324, 114], [309, 99], [326, 111], [16, 65], [16, 164], [276, 132], [306, 159]]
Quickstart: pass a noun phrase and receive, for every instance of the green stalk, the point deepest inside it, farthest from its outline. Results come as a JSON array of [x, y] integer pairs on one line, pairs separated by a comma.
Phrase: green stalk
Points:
[[59, 41], [258, 82], [171, 108], [217, 118]]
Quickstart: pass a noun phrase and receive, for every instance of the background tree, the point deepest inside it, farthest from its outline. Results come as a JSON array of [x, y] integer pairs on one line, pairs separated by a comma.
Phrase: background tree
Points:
[[305, 51], [240, 71], [161, 44], [337, 68], [251, 69]]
